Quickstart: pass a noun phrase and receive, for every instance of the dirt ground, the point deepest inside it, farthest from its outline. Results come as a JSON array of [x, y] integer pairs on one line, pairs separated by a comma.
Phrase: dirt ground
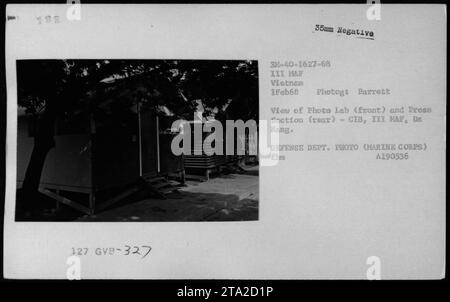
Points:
[[227, 197]]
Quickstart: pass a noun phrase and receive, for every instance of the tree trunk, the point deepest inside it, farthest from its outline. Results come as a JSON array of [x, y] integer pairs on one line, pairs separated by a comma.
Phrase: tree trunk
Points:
[[43, 142]]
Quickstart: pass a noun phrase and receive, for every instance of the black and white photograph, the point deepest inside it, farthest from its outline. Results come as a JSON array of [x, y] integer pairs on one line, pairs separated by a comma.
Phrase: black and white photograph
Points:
[[94, 140], [225, 142]]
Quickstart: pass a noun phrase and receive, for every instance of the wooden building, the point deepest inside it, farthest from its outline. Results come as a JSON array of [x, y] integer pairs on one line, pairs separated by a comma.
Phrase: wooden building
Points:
[[101, 155], [202, 162], [199, 162]]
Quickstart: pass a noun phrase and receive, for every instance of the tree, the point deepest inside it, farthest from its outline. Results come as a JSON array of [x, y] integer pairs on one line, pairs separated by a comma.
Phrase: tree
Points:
[[224, 87], [51, 89]]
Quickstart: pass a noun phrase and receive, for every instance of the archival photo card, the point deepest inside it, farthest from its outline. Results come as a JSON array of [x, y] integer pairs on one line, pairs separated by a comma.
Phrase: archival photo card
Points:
[[137, 140], [225, 142]]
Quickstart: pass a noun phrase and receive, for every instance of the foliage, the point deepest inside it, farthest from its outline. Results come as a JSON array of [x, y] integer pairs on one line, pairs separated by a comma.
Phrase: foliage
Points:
[[68, 86]]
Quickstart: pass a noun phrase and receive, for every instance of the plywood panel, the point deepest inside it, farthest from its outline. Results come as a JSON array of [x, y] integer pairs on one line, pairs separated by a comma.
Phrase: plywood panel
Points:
[[116, 153], [149, 143], [67, 164]]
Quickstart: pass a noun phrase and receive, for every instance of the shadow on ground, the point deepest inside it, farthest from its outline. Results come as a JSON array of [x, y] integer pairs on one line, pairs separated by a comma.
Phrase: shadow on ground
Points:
[[42, 208], [185, 206], [232, 197]]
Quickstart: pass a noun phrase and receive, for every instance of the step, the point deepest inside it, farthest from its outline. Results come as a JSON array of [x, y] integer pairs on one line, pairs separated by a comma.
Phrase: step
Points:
[[161, 185], [153, 179], [168, 190]]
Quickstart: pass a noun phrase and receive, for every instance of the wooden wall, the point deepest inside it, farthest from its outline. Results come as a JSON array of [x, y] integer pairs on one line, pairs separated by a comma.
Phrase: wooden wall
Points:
[[67, 164]]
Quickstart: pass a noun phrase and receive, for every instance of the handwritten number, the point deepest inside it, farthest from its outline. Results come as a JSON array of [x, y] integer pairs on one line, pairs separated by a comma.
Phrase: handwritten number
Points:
[[149, 249], [127, 250]]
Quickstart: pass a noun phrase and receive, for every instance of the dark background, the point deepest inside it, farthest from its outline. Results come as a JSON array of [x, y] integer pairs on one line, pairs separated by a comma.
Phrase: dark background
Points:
[[296, 290]]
